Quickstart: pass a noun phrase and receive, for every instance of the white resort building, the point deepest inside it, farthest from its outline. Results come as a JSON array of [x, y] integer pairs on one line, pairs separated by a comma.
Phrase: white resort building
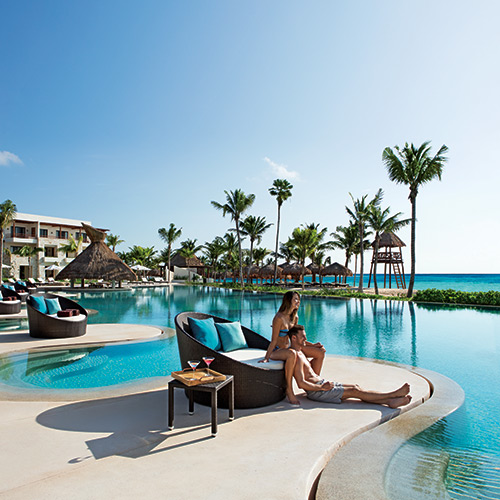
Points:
[[50, 234]]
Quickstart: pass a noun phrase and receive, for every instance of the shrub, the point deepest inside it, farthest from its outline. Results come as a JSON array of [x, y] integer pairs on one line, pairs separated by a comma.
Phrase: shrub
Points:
[[451, 296]]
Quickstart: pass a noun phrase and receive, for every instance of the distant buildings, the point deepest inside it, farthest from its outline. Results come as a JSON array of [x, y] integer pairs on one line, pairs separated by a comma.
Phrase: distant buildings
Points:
[[48, 233]]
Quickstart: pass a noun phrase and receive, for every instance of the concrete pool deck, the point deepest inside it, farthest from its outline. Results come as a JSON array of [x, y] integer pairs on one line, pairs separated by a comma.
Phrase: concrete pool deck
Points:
[[116, 442]]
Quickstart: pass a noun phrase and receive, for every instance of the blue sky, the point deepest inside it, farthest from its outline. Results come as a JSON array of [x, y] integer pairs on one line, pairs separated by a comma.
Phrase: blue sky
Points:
[[137, 114]]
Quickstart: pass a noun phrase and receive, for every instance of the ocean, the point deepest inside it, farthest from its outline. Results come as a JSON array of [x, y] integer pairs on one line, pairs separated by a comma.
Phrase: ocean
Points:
[[463, 282]]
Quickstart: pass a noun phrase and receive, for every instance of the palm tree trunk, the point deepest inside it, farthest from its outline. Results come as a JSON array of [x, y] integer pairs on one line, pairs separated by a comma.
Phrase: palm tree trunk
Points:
[[1, 255], [413, 201], [169, 250], [276, 247], [375, 284], [239, 252], [360, 286], [355, 269]]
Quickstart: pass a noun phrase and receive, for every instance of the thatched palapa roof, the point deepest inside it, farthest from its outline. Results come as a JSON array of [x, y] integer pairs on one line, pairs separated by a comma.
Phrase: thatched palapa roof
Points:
[[295, 269], [97, 261], [269, 270], [180, 261], [389, 240], [336, 269]]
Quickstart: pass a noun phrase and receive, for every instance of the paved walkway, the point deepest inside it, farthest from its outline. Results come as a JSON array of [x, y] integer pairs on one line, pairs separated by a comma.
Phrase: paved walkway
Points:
[[119, 445]]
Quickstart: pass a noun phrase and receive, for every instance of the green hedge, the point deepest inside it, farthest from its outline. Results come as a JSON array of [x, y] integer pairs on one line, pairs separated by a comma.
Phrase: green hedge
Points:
[[450, 296]]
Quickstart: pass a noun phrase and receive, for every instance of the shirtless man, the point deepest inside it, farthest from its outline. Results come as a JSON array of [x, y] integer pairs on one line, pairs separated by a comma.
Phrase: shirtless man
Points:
[[319, 389]]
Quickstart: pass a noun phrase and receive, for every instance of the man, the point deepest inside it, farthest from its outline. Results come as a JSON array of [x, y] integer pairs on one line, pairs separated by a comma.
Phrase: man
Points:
[[318, 389]]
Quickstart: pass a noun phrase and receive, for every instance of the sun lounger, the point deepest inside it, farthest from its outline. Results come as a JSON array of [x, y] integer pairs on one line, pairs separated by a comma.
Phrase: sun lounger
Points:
[[45, 325], [10, 301], [255, 384]]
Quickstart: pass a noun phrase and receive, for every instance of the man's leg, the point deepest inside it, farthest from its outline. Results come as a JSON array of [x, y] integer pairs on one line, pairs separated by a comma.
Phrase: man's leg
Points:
[[289, 356], [394, 399], [317, 355]]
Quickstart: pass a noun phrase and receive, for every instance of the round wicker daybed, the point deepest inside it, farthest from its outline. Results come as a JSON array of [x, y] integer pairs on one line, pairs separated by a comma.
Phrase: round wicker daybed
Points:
[[45, 326], [9, 306], [254, 386]]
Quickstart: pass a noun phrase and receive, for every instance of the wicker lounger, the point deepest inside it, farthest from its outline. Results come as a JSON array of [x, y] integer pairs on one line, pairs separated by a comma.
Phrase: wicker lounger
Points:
[[45, 326], [9, 307], [253, 386]]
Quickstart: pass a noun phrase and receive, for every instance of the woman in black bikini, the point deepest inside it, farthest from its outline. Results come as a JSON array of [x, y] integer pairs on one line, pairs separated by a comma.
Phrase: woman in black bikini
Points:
[[279, 348]]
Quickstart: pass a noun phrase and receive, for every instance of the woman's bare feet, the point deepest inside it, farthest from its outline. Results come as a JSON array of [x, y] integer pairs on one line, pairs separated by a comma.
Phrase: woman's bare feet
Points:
[[290, 397], [397, 402]]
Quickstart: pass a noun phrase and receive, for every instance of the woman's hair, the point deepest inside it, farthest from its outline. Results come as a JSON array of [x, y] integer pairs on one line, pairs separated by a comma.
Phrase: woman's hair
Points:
[[286, 305]]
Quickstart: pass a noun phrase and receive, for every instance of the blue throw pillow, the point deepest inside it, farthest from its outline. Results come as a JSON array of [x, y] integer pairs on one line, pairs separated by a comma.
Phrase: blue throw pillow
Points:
[[39, 304], [10, 287], [231, 336], [205, 332], [53, 306]]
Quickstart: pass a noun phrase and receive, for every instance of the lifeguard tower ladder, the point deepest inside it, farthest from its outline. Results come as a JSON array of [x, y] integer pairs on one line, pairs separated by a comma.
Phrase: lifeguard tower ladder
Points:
[[389, 254]]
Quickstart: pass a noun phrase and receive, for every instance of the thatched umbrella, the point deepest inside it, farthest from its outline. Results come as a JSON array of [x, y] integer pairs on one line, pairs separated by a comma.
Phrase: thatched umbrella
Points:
[[97, 261], [336, 269], [268, 271]]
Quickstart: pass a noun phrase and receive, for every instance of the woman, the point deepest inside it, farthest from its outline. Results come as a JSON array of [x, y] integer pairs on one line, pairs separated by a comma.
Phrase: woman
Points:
[[279, 348]]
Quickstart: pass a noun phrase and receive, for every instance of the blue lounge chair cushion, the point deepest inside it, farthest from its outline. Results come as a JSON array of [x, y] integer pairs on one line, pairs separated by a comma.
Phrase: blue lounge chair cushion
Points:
[[231, 336], [205, 332], [53, 306], [10, 287], [39, 304]]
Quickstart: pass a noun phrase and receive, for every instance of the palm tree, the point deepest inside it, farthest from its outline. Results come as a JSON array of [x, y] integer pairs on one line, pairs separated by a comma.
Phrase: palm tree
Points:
[[254, 228], [321, 245], [345, 238], [237, 203], [281, 190], [141, 255], [30, 252], [359, 214], [169, 236], [414, 167], [382, 222], [8, 211], [305, 241], [188, 248], [113, 240], [73, 246], [213, 250]]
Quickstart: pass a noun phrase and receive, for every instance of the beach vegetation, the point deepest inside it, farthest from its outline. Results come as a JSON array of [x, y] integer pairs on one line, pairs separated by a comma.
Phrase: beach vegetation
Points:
[[359, 216], [414, 167], [31, 253], [113, 240], [450, 296], [8, 211], [281, 190], [169, 236], [254, 227], [237, 203]]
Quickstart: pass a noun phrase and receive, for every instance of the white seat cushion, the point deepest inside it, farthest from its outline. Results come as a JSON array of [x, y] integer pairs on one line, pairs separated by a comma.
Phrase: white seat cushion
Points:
[[10, 301], [252, 357], [80, 317]]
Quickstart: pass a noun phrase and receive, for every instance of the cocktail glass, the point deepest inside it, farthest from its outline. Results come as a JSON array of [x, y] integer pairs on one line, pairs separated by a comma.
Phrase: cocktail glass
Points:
[[208, 360], [193, 364]]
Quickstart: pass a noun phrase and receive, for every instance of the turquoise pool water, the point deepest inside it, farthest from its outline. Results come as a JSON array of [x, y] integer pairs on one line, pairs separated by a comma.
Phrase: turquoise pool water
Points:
[[462, 343]]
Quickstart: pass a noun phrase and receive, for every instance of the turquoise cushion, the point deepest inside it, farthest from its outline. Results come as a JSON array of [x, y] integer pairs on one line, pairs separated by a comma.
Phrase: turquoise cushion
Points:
[[205, 332], [53, 305], [22, 283], [231, 336], [10, 287], [39, 304]]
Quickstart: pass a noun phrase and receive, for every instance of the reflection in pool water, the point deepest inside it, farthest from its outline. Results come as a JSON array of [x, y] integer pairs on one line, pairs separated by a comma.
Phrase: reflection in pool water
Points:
[[461, 343]]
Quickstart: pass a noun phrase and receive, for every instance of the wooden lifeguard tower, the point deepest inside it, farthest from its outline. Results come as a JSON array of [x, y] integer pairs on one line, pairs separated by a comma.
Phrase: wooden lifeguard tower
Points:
[[389, 254]]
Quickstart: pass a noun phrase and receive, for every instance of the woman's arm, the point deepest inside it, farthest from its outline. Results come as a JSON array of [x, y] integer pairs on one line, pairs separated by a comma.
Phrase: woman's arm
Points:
[[277, 323]]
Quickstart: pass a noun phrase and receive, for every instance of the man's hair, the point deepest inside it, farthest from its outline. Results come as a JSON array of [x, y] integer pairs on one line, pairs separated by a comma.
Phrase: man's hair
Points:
[[295, 330]]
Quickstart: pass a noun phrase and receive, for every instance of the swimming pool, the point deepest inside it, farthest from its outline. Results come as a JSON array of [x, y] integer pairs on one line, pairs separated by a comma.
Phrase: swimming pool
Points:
[[462, 343]]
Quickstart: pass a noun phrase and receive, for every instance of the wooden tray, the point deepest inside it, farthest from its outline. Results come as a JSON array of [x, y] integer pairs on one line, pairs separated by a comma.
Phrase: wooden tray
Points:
[[199, 375]]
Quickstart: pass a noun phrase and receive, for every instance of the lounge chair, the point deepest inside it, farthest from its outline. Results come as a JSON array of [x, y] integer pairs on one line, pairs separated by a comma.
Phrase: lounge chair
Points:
[[10, 301], [44, 325], [255, 384]]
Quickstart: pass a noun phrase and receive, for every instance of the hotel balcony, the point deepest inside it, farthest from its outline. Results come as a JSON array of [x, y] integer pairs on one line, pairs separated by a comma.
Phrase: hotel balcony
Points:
[[21, 240]]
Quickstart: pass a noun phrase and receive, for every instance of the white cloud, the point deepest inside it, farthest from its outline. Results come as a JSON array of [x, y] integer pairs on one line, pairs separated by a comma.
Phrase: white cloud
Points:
[[281, 170], [7, 158]]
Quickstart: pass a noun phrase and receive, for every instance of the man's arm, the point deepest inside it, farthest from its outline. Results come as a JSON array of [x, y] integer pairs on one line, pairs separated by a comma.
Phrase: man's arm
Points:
[[302, 382]]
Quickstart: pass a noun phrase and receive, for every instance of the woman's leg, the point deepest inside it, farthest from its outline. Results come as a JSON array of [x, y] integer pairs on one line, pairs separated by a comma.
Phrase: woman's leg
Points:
[[289, 356], [317, 355]]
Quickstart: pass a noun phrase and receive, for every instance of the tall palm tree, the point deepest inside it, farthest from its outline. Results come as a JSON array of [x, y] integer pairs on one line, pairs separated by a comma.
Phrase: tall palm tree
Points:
[[237, 203], [169, 236], [281, 190], [73, 246], [382, 222], [359, 215], [305, 241], [189, 248], [414, 167], [254, 227], [345, 238], [30, 252], [8, 211], [113, 240]]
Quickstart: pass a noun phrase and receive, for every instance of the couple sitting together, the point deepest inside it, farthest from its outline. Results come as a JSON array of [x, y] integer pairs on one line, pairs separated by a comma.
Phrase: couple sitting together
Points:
[[289, 344]]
